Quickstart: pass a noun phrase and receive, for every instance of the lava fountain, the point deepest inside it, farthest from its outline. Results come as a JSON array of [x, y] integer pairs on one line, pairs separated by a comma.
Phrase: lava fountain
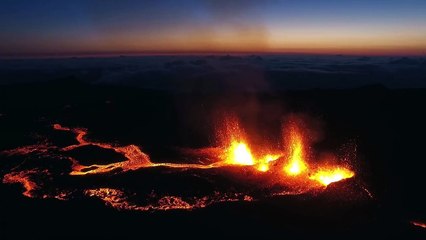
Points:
[[296, 161], [239, 154], [288, 167]]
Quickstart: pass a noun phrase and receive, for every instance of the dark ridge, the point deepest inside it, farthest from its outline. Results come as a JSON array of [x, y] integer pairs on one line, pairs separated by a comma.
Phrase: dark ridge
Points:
[[90, 154]]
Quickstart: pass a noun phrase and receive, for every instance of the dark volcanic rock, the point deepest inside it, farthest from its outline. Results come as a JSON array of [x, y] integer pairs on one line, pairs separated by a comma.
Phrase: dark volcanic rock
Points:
[[347, 190], [88, 155]]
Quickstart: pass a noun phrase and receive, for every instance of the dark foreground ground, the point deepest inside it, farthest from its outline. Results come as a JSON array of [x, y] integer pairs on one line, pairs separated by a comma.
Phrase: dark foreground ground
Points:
[[387, 125]]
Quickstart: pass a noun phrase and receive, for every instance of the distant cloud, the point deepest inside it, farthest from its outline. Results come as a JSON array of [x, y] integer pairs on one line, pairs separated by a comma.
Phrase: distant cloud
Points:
[[223, 73]]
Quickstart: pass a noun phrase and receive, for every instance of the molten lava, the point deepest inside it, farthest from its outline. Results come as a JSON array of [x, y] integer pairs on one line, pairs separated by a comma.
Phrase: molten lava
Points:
[[117, 199], [263, 164], [327, 176], [239, 154], [278, 165], [23, 178], [296, 161]]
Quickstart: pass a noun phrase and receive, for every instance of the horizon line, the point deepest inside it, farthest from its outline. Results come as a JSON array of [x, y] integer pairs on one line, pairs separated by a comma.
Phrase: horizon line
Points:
[[196, 53]]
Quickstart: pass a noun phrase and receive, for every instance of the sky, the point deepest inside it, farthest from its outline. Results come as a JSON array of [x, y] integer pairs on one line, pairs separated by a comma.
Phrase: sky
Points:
[[78, 27]]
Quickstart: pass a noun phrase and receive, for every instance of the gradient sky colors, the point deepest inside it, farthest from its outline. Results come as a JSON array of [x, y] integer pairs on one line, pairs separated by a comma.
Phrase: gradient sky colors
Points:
[[63, 27]]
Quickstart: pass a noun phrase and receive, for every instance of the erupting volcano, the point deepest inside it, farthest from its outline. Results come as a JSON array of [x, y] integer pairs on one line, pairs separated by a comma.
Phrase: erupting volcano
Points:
[[209, 118], [277, 172]]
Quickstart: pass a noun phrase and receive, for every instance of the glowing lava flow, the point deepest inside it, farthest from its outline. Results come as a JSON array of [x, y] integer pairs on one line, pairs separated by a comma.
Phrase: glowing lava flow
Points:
[[136, 159], [117, 199], [237, 153], [327, 176], [23, 178], [278, 167]]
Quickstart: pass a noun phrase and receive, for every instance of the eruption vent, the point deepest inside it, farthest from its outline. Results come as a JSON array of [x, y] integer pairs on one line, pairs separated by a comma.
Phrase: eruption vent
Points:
[[270, 173]]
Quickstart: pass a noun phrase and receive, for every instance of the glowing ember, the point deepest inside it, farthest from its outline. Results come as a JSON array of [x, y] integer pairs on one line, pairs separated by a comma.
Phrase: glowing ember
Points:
[[327, 176], [419, 224], [296, 163], [117, 199], [239, 154]]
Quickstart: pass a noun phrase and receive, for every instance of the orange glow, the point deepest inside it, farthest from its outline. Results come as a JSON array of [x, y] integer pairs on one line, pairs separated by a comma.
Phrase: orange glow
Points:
[[117, 199], [419, 224], [238, 151], [327, 176], [250, 40], [136, 159], [239, 154], [296, 161], [275, 166], [24, 179], [263, 165]]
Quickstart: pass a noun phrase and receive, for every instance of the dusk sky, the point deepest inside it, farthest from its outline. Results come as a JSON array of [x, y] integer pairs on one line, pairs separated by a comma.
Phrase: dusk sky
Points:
[[76, 27]]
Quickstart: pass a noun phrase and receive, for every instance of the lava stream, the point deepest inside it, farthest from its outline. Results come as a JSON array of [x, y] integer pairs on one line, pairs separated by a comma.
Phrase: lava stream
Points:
[[24, 178], [289, 168]]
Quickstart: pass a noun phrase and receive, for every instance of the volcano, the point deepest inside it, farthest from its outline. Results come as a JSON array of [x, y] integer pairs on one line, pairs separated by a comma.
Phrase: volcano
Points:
[[119, 161], [276, 173]]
